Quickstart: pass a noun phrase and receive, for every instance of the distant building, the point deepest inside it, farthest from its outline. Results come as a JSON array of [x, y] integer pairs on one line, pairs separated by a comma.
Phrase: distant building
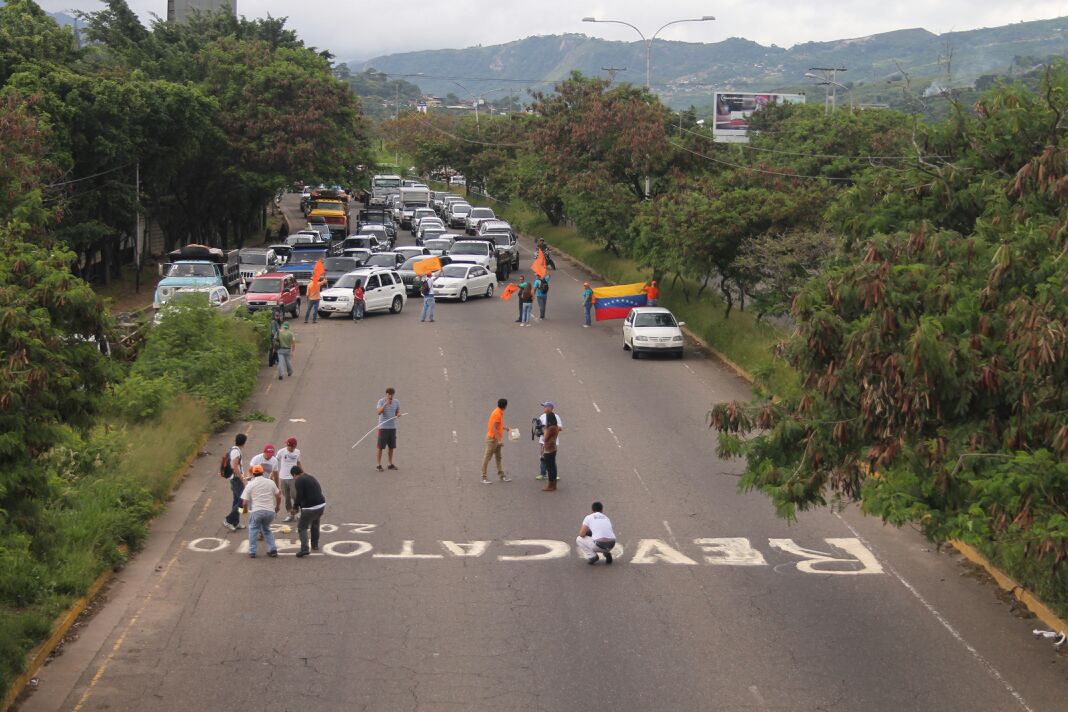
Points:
[[181, 9]]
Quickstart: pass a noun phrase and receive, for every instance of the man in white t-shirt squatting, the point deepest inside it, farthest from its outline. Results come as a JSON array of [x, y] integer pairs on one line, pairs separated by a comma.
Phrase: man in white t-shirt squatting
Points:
[[288, 458], [596, 535]]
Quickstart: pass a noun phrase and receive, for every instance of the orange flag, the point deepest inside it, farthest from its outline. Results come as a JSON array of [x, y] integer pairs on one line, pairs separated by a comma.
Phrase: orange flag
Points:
[[432, 264], [509, 291], [318, 271], [539, 267]]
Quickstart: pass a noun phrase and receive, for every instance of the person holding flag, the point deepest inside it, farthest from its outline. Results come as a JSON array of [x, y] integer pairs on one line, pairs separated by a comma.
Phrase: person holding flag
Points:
[[427, 268], [315, 286], [615, 302], [652, 293], [587, 303]]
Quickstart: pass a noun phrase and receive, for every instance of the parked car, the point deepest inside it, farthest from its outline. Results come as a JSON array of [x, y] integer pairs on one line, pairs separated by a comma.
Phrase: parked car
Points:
[[418, 214], [359, 253], [274, 290], [459, 281], [475, 218], [447, 201], [368, 242], [413, 281], [504, 239], [434, 233], [652, 330], [337, 267], [434, 223], [480, 252], [321, 228], [457, 214], [217, 297], [388, 260], [438, 245], [411, 251], [282, 251], [383, 291], [256, 261], [385, 240], [302, 262], [304, 237]]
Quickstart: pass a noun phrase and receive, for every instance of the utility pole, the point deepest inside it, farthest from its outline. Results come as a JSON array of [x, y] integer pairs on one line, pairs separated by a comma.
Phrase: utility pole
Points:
[[612, 72], [830, 74], [139, 248]]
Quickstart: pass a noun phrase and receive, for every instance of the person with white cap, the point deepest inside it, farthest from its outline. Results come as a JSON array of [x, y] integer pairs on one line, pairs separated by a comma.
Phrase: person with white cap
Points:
[[541, 423]]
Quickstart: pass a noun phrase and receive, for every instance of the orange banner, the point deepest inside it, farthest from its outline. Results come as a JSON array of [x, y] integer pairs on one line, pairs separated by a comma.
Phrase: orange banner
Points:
[[427, 266], [319, 271], [539, 267], [509, 291]]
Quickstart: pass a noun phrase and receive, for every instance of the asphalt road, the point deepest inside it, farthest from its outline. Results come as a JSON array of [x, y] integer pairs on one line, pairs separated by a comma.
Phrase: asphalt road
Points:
[[434, 592]]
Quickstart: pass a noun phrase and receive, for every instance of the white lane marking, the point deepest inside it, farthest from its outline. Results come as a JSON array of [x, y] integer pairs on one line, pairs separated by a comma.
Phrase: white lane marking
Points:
[[573, 372], [450, 404], [559, 352], [596, 407], [580, 381], [446, 372], [644, 487], [573, 277], [441, 351], [991, 670], [297, 420], [455, 437], [689, 369], [618, 444], [757, 696], [671, 535]]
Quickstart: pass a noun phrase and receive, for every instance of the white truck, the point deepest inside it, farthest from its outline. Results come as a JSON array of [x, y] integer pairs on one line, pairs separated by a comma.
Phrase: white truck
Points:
[[410, 199]]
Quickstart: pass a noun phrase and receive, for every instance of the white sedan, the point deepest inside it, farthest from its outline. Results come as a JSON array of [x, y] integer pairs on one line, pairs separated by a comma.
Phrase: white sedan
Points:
[[652, 330], [459, 281]]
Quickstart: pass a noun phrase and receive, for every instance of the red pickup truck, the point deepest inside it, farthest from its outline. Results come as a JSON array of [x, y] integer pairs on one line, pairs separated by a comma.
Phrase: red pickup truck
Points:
[[274, 291]]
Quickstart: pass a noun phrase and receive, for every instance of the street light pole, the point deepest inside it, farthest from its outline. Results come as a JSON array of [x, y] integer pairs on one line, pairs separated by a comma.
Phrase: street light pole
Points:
[[649, 57], [830, 100]]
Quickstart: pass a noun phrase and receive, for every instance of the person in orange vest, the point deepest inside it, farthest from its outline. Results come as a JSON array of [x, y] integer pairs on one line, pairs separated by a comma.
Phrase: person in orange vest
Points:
[[314, 287], [652, 293]]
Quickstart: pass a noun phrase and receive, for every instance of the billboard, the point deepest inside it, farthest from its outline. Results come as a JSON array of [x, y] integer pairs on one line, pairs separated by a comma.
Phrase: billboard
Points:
[[733, 110]]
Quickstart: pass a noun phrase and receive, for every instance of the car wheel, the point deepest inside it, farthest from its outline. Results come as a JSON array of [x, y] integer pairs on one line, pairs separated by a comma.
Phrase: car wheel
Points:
[[634, 354], [679, 355], [625, 347], [296, 309], [463, 295], [324, 315], [397, 305], [489, 290]]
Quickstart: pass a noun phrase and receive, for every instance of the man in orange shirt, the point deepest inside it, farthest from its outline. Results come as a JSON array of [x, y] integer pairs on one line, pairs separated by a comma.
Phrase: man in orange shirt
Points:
[[494, 441], [314, 287], [652, 293]]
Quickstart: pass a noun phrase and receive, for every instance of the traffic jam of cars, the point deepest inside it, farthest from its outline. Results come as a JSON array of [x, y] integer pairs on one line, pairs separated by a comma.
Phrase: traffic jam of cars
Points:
[[473, 251]]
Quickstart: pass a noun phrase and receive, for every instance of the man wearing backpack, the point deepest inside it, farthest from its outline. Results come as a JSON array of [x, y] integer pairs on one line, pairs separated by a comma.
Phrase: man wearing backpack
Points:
[[541, 290], [232, 469], [427, 293], [540, 424], [526, 301]]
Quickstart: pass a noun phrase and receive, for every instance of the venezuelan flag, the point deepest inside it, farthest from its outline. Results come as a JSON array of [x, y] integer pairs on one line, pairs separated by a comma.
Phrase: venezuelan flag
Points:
[[616, 302]]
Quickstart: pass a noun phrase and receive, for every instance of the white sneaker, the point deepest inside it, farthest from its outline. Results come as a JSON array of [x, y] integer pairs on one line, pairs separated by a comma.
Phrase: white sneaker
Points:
[[486, 481], [585, 326], [240, 526], [289, 518], [229, 526]]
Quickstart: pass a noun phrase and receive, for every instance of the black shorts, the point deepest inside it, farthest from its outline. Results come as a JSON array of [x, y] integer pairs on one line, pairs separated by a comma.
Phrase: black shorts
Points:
[[387, 437]]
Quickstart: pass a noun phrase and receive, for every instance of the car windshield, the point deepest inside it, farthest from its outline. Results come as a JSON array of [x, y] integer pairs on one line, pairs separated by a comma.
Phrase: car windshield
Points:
[[437, 244], [482, 213], [501, 238], [254, 258], [348, 281], [300, 240], [469, 249], [654, 319], [266, 286], [461, 209], [330, 206], [185, 269], [355, 242], [381, 260], [387, 182], [409, 264], [340, 264], [454, 271], [303, 257], [375, 230]]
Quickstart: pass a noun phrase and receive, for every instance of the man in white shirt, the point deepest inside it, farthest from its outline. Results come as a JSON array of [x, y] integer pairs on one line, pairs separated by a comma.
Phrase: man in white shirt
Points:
[[549, 407], [237, 484], [268, 461], [262, 499], [288, 458], [596, 537]]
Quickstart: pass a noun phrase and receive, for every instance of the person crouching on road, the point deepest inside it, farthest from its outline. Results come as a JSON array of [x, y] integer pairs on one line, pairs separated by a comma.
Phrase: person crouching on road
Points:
[[495, 441], [262, 498], [427, 291], [552, 432], [587, 303], [286, 346], [357, 301], [309, 497], [596, 535]]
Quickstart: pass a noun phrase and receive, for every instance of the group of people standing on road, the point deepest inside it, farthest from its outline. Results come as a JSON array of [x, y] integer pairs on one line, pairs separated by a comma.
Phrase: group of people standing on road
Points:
[[260, 488], [546, 428]]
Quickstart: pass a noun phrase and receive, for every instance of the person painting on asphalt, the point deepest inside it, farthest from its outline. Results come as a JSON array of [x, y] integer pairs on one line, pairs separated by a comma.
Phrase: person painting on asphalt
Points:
[[495, 441], [587, 303], [543, 422], [526, 302], [541, 290], [357, 301], [237, 483], [427, 293], [388, 411], [548, 456], [310, 500], [522, 282], [652, 293], [262, 499], [286, 345], [596, 535], [314, 289], [288, 458]]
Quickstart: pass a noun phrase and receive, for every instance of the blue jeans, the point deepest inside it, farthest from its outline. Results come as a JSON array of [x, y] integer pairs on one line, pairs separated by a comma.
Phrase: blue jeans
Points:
[[357, 310], [313, 310], [260, 521], [527, 308], [236, 488], [428, 308], [588, 308], [285, 363], [541, 306], [650, 302]]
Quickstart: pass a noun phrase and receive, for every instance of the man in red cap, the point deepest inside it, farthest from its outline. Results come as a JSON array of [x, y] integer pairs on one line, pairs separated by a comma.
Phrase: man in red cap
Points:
[[267, 461], [287, 460]]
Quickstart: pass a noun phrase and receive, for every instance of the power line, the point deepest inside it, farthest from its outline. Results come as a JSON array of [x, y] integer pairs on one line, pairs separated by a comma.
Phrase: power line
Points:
[[807, 155], [756, 170], [95, 175], [468, 140]]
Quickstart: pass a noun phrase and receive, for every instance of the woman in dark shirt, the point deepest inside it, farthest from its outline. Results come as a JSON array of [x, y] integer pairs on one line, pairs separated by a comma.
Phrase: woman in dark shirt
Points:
[[552, 434]]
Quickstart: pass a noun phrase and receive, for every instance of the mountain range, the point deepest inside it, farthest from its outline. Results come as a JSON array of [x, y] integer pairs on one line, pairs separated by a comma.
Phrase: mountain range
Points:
[[685, 73]]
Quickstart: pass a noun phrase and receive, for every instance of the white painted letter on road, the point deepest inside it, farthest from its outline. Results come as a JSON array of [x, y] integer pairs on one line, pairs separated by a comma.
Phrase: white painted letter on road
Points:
[[342, 548], [650, 551], [555, 549], [465, 548], [818, 562], [208, 544], [730, 551], [408, 552]]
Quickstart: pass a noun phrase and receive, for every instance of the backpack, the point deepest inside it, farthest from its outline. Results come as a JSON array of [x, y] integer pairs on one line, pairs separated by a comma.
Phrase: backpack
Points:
[[537, 429], [545, 285], [225, 471], [424, 288]]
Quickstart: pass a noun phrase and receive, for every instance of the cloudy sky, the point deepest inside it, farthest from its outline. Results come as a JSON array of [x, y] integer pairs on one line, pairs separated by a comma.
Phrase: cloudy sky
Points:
[[361, 30]]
